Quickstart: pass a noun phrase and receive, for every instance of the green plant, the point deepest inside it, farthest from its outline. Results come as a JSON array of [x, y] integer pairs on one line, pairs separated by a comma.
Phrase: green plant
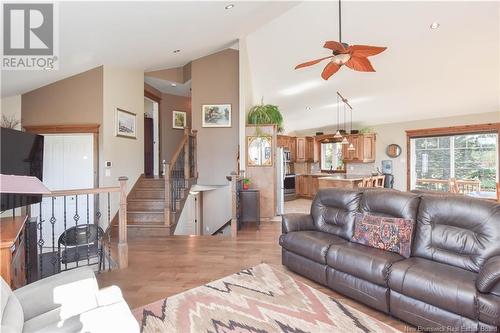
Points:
[[366, 130], [265, 114], [246, 181]]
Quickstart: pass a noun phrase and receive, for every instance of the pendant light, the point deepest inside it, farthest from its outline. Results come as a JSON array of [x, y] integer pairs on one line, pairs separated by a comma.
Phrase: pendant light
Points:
[[351, 146], [337, 135], [344, 140]]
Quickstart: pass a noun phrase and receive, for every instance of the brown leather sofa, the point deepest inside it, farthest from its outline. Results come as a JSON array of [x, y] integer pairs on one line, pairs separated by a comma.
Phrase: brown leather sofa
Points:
[[451, 282]]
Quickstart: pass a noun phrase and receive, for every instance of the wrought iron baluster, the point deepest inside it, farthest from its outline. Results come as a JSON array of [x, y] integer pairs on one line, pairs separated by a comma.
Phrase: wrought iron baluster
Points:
[[65, 256], [76, 217], [98, 216], [55, 255], [87, 233], [40, 239], [109, 233]]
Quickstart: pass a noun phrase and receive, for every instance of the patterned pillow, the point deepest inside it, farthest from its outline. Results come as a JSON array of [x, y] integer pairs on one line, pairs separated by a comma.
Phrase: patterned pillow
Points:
[[386, 233]]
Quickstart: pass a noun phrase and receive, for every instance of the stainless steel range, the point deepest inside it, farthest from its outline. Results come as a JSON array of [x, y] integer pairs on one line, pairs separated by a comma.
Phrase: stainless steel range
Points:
[[289, 187]]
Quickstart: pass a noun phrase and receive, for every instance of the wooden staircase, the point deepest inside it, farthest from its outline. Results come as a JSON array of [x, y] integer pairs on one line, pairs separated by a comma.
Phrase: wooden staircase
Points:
[[154, 204]]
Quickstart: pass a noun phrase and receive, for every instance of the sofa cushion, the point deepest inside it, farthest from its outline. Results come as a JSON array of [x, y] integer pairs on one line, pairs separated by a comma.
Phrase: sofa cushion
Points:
[[115, 317], [447, 287], [457, 230], [11, 312], [362, 261], [333, 211], [383, 202], [310, 244], [386, 233]]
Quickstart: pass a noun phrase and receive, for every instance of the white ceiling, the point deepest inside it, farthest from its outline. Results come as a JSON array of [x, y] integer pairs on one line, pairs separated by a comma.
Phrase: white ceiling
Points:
[[166, 86], [423, 74], [142, 35]]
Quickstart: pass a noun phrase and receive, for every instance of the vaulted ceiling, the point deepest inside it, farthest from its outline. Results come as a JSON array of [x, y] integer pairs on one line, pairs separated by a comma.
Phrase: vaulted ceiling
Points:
[[142, 35], [425, 73]]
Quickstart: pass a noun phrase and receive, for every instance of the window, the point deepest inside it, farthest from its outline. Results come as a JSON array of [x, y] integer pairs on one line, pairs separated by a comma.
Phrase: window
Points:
[[464, 157], [331, 156]]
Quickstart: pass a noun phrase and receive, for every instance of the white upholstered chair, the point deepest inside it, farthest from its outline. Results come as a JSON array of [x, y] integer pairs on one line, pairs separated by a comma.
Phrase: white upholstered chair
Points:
[[66, 302]]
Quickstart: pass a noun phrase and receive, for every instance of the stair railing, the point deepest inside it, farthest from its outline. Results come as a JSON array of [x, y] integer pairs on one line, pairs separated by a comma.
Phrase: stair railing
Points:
[[70, 229], [180, 173]]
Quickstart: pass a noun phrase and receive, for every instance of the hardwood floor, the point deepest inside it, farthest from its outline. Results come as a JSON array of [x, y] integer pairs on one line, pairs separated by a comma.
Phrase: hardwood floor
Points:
[[163, 266]]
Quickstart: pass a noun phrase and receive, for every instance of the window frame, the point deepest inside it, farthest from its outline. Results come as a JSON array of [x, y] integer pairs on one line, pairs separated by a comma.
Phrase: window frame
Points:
[[447, 131]]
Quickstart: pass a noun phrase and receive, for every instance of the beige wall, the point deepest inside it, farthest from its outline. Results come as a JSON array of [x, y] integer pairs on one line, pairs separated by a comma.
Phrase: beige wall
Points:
[[215, 80], [11, 108], [171, 137], [395, 133], [263, 178], [74, 100]]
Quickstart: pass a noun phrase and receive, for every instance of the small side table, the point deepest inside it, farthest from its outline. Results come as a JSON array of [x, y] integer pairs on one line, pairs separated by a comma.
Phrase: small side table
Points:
[[250, 206]]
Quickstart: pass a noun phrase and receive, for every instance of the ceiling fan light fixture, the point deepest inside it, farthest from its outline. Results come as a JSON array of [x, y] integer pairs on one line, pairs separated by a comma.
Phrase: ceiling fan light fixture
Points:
[[341, 59]]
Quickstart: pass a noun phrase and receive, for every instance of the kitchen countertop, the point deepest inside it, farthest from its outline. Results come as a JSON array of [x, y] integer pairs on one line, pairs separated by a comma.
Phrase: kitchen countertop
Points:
[[347, 178]]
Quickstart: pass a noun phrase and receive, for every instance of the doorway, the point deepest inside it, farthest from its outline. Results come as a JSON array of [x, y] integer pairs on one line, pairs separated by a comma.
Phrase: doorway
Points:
[[151, 138]]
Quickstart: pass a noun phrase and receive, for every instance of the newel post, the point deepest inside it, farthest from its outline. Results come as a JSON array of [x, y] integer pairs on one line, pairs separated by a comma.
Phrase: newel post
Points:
[[166, 209], [186, 157], [195, 153], [122, 225], [234, 206]]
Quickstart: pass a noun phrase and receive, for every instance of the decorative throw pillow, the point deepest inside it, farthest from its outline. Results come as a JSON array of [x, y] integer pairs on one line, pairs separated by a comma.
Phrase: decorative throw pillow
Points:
[[386, 233]]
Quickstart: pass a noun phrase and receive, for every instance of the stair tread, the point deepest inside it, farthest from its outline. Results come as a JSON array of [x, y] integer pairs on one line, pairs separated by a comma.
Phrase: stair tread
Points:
[[146, 199], [153, 211]]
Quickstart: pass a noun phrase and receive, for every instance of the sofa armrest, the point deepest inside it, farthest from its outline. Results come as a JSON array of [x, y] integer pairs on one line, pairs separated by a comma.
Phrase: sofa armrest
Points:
[[109, 295], [297, 222], [72, 292], [489, 275]]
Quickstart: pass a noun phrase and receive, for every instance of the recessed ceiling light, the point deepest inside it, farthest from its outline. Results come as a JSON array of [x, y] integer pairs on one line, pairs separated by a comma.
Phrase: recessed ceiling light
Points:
[[229, 6], [308, 108], [173, 84], [177, 51], [434, 25]]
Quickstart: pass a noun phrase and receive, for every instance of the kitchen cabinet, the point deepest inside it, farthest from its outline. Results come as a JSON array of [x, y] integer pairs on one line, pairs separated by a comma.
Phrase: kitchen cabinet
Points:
[[310, 149], [292, 146], [301, 150], [364, 148], [307, 186]]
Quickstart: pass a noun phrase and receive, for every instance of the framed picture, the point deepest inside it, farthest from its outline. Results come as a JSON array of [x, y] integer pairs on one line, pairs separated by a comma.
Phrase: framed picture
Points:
[[216, 115], [125, 124], [179, 119]]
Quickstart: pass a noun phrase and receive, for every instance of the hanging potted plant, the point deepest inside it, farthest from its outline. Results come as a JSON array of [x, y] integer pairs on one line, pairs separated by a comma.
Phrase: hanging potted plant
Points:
[[265, 114]]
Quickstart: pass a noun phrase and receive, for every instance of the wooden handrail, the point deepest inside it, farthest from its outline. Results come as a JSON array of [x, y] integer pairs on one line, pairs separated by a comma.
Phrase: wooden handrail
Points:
[[61, 193], [179, 150]]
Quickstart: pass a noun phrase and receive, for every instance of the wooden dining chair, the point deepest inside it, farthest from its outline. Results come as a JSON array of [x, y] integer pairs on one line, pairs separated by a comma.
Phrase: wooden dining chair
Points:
[[367, 182], [379, 180]]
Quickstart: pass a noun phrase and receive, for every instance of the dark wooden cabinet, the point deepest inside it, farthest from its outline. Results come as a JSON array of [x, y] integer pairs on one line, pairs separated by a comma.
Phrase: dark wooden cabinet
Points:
[[250, 206], [310, 149], [13, 250], [301, 150], [292, 146], [364, 148]]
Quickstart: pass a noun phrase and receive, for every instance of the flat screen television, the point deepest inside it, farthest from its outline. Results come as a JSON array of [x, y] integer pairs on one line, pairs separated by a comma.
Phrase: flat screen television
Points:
[[21, 155]]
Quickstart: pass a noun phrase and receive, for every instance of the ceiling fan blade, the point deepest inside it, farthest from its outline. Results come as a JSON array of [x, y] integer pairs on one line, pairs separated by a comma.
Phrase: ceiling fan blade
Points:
[[334, 46], [312, 62], [360, 64], [365, 50], [330, 69]]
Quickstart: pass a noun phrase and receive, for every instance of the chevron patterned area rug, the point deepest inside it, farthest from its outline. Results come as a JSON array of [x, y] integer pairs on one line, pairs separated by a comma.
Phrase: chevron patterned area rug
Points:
[[256, 300]]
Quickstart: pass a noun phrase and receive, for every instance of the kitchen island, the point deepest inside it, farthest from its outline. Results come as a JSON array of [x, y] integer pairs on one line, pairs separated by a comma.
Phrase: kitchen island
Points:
[[307, 185], [341, 181]]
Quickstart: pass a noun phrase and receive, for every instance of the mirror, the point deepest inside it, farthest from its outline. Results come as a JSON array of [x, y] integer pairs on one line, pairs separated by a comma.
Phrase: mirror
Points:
[[259, 151], [393, 150]]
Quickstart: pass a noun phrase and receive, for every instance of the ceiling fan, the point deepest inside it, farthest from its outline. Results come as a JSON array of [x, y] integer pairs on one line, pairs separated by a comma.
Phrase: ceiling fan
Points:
[[353, 56]]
